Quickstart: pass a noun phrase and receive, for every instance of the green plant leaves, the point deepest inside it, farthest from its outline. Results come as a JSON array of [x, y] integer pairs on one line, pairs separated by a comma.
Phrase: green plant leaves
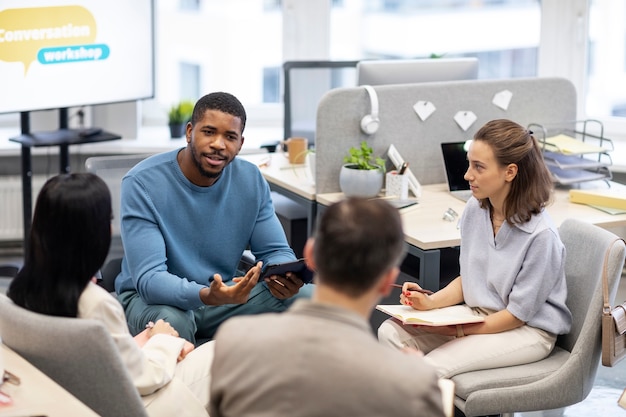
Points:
[[363, 157], [180, 112]]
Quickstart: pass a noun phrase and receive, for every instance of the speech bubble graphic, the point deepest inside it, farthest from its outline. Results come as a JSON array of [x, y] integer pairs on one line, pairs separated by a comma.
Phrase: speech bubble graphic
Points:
[[23, 32]]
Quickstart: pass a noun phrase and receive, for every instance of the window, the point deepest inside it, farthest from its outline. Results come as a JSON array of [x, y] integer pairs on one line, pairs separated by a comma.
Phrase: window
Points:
[[245, 50], [271, 85], [189, 81], [190, 5], [606, 78], [504, 35], [271, 5]]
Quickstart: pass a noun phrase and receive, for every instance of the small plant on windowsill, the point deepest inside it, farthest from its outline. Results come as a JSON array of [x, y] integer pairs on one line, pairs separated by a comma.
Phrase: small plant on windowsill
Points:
[[178, 116], [362, 173]]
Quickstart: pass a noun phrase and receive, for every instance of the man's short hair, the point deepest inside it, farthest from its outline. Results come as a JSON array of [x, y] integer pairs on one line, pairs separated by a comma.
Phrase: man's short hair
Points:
[[224, 102], [357, 240]]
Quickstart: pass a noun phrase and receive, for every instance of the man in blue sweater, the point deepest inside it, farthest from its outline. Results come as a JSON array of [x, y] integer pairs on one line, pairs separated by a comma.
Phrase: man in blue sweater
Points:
[[187, 216]]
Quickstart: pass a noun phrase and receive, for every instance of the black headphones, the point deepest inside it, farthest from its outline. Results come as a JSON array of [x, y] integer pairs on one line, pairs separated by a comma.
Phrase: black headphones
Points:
[[370, 123]]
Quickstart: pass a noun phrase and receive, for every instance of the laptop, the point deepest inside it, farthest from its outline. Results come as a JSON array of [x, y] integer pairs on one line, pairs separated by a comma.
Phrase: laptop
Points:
[[456, 164]]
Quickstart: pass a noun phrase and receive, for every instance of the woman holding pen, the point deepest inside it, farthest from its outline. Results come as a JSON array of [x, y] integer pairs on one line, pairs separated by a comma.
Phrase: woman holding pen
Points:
[[511, 264]]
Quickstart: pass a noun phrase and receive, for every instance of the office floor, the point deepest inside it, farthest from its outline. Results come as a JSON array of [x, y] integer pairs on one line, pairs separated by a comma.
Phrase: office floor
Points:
[[602, 401]]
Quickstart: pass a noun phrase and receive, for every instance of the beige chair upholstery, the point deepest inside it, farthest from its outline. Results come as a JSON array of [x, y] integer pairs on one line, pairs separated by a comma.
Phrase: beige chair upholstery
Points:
[[567, 375], [78, 354]]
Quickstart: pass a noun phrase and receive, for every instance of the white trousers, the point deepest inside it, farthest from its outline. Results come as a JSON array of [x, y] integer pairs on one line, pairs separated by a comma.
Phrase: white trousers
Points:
[[452, 356], [187, 394]]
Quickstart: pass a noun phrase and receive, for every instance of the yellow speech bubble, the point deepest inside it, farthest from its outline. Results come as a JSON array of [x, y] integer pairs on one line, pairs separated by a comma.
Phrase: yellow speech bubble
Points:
[[25, 31]]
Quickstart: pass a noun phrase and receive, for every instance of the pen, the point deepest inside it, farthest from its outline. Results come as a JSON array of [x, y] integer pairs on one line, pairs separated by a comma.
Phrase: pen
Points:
[[403, 168], [422, 290], [278, 282]]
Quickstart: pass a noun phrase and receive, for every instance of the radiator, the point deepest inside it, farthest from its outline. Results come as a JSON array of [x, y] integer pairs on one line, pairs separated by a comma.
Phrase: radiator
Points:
[[11, 224]]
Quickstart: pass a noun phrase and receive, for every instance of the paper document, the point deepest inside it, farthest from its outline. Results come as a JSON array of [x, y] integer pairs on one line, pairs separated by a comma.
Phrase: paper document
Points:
[[571, 146], [613, 198], [446, 316], [609, 210]]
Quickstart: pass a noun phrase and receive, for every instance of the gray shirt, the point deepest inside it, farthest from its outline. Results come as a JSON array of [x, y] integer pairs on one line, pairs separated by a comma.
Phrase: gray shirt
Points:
[[521, 269]]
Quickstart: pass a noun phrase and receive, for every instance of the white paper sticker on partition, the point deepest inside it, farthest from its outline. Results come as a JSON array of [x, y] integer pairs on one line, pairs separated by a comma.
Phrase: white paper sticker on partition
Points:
[[424, 109], [502, 99], [465, 119]]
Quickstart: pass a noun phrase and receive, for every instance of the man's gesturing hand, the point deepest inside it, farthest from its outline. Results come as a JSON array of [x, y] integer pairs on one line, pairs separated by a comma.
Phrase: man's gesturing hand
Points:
[[219, 293]]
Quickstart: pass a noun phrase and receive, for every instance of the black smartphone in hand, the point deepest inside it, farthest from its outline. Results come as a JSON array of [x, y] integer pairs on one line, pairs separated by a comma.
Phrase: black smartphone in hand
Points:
[[297, 267]]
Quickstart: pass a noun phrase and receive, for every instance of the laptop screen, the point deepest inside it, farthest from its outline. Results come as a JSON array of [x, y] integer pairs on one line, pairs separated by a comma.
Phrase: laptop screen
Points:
[[456, 164]]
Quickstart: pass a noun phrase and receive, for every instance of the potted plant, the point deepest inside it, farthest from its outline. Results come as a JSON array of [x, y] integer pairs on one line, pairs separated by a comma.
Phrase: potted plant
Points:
[[362, 173], [178, 116]]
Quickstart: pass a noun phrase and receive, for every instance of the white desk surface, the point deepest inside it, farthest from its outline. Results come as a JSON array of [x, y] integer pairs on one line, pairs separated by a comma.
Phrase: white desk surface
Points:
[[280, 172], [37, 394], [425, 228]]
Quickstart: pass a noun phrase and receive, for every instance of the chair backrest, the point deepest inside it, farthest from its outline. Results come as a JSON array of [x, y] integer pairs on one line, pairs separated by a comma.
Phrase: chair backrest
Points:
[[112, 169], [109, 272], [78, 354], [9, 270], [586, 245]]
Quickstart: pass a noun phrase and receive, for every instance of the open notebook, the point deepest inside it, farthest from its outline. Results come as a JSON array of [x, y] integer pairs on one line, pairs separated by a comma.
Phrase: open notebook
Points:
[[445, 316], [456, 164]]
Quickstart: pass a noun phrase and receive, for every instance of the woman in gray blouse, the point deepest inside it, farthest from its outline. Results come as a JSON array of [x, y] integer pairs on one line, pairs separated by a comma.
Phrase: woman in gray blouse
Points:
[[511, 264]]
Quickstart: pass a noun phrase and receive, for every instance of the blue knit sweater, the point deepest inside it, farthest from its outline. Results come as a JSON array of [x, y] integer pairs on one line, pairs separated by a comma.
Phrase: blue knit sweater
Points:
[[176, 235]]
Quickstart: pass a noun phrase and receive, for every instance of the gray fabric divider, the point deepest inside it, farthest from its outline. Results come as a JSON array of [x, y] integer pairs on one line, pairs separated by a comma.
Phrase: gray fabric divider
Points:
[[546, 101]]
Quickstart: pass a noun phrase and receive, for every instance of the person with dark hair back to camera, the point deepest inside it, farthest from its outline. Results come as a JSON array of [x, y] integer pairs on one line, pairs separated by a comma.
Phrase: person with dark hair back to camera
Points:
[[320, 358], [512, 264], [186, 218], [69, 241]]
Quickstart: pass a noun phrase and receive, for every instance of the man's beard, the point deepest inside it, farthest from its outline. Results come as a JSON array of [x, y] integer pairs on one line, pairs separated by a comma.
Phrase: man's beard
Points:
[[198, 163]]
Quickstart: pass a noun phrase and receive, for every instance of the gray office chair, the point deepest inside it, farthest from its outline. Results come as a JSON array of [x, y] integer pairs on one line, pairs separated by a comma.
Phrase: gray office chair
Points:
[[9, 269], [112, 169], [78, 354], [567, 375], [109, 272]]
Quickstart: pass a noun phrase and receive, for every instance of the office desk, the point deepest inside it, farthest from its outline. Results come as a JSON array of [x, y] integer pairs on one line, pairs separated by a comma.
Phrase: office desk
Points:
[[37, 394], [292, 181], [426, 232]]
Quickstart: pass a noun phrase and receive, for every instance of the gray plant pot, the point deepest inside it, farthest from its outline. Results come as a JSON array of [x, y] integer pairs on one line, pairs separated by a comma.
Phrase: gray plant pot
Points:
[[177, 130], [360, 182]]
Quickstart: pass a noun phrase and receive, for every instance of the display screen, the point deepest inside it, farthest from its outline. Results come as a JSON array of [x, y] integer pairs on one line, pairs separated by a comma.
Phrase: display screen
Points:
[[408, 71], [56, 54]]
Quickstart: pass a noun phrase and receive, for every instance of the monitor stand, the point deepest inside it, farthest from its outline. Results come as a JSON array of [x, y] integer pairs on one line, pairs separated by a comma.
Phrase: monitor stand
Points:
[[63, 137]]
